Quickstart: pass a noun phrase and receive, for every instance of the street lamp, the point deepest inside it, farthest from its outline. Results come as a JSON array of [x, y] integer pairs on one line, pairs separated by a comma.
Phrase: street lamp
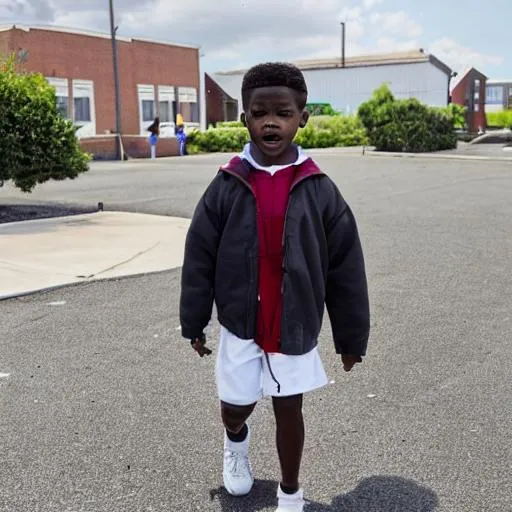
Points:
[[113, 31]]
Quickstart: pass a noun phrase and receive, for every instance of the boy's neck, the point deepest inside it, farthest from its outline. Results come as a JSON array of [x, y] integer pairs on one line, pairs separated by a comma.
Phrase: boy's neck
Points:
[[287, 158]]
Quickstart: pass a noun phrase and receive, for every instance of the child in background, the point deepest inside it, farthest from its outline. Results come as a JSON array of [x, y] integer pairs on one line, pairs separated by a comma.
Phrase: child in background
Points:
[[154, 130]]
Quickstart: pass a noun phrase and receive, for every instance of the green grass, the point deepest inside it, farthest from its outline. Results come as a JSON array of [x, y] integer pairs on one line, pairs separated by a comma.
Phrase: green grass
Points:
[[499, 119]]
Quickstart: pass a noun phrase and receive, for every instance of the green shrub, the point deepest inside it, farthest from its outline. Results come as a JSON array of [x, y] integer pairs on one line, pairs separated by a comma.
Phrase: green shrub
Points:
[[36, 143], [221, 140], [320, 132], [328, 132], [321, 109], [500, 119], [455, 112], [407, 125], [229, 124]]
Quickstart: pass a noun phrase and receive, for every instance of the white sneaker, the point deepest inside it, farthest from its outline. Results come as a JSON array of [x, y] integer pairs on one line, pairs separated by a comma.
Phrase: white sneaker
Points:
[[290, 502], [238, 479]]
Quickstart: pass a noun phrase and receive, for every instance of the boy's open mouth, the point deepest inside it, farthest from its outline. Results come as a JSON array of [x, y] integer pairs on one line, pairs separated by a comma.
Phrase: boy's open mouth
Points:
[[271, 137]]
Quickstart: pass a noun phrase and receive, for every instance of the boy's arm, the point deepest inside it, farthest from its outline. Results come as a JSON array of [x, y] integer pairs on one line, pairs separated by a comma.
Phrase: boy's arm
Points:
[[346, 290], [198, 272]]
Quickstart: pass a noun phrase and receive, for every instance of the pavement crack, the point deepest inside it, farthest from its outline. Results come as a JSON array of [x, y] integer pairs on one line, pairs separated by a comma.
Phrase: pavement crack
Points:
[[124, 262]]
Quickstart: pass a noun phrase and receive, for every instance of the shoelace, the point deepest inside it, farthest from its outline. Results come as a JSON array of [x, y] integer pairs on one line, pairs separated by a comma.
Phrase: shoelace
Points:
[[238, 464]]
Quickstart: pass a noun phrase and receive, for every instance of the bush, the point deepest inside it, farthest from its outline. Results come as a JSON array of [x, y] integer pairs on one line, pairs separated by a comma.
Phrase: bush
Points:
[[329, 132], [36, 143], [500, 119], [213, 140], [229, 124], [321, 109], [455, 112], [407, 125], [320, 132]]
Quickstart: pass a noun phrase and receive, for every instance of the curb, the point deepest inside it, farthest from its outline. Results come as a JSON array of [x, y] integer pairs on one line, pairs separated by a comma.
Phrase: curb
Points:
[[72, 284], [439, 156]]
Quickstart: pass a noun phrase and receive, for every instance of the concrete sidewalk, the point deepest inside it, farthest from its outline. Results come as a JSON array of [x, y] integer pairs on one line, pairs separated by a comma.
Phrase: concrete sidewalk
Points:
[[46, 253]]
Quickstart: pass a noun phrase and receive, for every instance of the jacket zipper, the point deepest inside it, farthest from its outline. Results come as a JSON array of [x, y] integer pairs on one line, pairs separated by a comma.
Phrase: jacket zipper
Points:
[[247, 184], [283, 240]]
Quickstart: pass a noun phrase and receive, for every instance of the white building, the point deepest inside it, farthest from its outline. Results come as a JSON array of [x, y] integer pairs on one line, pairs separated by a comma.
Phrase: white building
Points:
[[414, 74]]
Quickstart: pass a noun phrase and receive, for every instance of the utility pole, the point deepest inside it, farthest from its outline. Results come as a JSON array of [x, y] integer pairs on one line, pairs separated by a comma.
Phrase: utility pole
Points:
[[342, 44], [113, 31]]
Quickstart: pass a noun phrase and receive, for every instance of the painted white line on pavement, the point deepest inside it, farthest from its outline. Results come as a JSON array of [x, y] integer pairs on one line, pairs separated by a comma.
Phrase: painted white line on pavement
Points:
[[4, 375]]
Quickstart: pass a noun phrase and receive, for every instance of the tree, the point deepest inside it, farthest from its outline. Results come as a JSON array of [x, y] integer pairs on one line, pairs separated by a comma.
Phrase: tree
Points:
[[36, 143]]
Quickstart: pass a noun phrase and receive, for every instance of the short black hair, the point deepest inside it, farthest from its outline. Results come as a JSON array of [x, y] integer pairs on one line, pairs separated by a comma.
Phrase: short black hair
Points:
[[275, 74]]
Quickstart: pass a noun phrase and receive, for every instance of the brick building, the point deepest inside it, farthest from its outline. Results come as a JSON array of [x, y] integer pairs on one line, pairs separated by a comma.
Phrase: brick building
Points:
[[469, 91], [220, 106], [155, 78]]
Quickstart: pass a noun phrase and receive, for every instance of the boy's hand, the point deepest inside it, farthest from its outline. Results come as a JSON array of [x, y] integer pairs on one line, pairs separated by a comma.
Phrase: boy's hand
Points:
[[199, 345], [350, 361]]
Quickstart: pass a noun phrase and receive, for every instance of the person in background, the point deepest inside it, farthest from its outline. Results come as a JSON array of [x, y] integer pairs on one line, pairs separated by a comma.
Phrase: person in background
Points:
[[154, 130], [181, 136]]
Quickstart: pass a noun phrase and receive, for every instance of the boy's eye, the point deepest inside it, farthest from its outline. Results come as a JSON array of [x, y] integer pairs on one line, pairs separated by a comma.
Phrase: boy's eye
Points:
[[285, 113], [258, 113]]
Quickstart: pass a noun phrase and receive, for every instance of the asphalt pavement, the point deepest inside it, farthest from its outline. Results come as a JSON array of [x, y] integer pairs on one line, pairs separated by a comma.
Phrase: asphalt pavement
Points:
[[104, 408]]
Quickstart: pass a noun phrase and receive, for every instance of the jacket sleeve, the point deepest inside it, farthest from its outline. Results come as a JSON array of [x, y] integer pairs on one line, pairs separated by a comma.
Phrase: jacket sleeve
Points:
[[198, 271], [346, 288]]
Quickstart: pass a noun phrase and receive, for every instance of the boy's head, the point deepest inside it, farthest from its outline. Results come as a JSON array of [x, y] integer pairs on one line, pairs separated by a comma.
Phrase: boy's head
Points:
[[274, 96]]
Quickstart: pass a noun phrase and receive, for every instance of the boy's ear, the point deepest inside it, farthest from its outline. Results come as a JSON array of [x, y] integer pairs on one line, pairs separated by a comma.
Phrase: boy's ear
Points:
[[304, 118], [242, 119]]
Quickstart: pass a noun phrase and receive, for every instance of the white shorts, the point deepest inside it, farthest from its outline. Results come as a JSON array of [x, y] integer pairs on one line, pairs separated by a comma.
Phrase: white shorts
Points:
[[244, 376]]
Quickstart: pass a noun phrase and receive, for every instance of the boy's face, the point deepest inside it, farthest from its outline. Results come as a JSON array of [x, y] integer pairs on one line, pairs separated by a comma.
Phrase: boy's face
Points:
[[273, 117]]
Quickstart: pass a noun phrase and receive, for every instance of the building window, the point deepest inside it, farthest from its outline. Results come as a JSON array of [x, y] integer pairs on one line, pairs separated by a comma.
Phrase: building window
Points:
[[148, 110], [189, 107], [164, 111], [166, 103], [62, 93], [63, 106], [83, 114], [82, 110], [510, 98], [494, 95]]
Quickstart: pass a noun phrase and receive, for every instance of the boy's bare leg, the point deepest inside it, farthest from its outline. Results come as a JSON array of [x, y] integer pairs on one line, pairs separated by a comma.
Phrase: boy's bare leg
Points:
[[289, 439], [234, 416]]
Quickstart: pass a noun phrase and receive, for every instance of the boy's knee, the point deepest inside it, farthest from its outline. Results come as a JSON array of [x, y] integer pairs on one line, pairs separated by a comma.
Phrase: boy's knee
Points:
[[234, 416], [287, 404]]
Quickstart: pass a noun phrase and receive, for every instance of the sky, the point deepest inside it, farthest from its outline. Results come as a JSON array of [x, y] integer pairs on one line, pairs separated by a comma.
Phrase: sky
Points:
[[235, 34]]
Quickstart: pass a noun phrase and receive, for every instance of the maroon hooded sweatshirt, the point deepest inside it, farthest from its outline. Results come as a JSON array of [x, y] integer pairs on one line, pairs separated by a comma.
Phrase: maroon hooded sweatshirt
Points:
[[272, 192]]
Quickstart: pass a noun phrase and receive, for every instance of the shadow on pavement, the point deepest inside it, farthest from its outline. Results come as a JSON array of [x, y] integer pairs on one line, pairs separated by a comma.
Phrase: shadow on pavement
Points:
[[373, 494]]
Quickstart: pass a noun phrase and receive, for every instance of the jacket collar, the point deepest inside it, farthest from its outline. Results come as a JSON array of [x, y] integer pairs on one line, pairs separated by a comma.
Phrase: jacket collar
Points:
[[241, 168]]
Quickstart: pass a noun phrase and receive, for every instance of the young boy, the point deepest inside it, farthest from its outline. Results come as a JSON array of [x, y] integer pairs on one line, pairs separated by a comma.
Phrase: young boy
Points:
[[271, 241]]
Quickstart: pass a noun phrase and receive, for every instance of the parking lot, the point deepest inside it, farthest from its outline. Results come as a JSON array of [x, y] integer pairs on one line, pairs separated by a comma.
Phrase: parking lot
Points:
[[104, 408]]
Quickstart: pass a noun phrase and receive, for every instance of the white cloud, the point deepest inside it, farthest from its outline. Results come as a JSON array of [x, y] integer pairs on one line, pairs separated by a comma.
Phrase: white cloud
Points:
[[369, 4], [398, 23], [389, 45], [460, 57], [248, 31]]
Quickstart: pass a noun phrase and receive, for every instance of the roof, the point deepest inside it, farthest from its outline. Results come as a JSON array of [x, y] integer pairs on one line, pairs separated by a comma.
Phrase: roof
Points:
[[461, 76], [499, 82], [378, 59], [89, 33]]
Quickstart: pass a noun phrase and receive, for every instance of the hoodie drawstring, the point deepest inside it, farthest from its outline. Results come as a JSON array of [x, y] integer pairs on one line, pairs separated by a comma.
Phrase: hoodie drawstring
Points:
[[272, 373]]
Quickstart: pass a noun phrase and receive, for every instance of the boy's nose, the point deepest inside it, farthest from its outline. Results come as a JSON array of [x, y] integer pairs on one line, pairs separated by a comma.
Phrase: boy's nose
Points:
[[270, 123]]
